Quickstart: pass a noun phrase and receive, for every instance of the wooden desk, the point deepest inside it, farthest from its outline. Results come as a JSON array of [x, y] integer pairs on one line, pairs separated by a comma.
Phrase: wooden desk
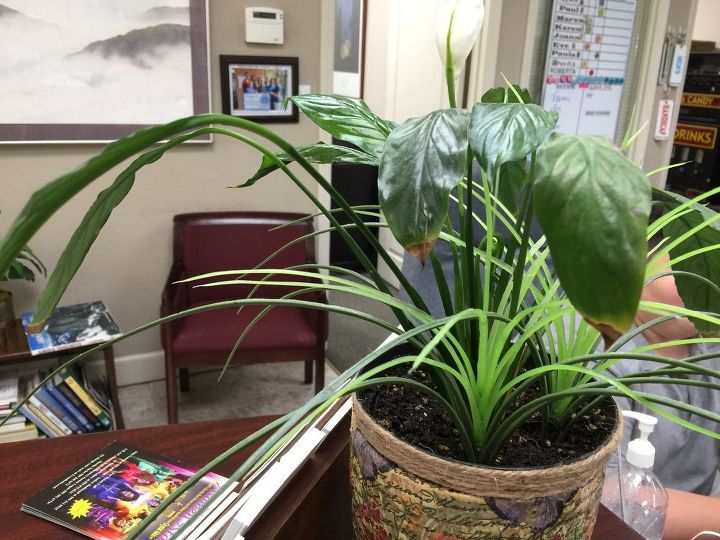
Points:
[[315, 505], [14, 350]]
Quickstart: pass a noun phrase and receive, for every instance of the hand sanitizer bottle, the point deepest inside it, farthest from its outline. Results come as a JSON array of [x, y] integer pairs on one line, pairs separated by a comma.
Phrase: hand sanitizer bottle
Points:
[[636, 494]]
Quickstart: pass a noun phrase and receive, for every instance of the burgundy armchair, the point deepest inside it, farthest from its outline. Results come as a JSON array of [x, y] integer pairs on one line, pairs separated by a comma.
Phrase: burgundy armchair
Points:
[[207, 242]]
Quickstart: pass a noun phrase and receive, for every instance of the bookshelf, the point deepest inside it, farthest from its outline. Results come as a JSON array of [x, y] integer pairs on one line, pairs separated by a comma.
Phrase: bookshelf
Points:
[[14, 350]]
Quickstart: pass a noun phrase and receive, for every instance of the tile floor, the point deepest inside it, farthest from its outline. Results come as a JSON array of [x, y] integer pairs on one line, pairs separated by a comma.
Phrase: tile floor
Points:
[[253, 390]]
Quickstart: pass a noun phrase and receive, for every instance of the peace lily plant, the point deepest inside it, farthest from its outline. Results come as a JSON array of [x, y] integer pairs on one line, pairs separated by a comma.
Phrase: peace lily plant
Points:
[[510, 314]]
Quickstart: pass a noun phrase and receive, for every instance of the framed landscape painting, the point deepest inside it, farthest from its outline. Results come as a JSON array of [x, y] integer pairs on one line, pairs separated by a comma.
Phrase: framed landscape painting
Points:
[[94, 71], [257, 87], [349, 45]]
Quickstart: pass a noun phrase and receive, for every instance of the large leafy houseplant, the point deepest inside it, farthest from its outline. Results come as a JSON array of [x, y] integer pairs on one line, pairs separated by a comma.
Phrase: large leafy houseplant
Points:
[[510, 314]]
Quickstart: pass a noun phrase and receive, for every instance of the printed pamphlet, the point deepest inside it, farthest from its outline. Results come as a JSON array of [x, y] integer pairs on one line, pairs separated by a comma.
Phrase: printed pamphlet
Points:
[[112, 492]]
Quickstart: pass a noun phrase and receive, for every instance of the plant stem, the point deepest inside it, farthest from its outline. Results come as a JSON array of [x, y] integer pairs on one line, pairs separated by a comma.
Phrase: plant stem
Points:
[[469, 257], [526, 226], [450, 78]]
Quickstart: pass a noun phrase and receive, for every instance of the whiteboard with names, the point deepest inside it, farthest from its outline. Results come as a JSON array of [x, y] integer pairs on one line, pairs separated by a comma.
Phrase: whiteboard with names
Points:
[[586, 63]]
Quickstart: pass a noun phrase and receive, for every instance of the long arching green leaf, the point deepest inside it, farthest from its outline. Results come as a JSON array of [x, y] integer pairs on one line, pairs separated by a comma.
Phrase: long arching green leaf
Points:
[[593, 206], [87, 232], [47, 200]]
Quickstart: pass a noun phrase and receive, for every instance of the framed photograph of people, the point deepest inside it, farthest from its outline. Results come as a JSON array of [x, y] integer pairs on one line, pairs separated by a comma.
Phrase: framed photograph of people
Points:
[[87, 71], [257, 87], [348, 50]]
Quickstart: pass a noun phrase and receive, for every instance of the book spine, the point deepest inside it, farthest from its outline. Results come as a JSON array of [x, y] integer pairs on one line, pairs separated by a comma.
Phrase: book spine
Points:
[[50, 415], [46, 420], [51, 403], [86, 399], [62, 386], [65, 403], [41, 424]]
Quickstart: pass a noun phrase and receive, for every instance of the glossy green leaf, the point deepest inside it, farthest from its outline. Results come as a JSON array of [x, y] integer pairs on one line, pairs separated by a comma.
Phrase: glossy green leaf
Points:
[[502, 132], [347, 119], [503, 94], [696, 295], [314, 153], [593, 205], [424, 159]]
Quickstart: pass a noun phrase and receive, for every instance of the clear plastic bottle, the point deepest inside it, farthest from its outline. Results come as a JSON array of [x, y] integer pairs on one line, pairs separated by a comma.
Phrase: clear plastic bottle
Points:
[[633, 492]]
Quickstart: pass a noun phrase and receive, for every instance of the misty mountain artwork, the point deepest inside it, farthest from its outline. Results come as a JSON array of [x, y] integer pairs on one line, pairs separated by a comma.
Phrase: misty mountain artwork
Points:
[[85, 63]]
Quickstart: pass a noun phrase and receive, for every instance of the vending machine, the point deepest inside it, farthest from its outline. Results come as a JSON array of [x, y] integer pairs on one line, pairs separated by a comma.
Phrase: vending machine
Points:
[[696, 142]]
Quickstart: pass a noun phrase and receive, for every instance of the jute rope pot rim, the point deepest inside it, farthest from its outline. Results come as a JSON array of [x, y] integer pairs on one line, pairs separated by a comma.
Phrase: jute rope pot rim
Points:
[[483, 481]]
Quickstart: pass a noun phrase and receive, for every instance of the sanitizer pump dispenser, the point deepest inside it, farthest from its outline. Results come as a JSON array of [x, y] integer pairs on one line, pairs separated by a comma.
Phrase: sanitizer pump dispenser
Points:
[[634, 493]]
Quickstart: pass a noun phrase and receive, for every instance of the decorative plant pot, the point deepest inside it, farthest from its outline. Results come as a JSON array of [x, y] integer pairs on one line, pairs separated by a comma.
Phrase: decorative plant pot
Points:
[[7, 313], [400, 492]]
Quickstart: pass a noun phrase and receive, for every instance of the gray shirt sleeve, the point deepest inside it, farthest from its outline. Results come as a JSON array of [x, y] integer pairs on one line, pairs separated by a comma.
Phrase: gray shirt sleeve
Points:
[[685, 459]]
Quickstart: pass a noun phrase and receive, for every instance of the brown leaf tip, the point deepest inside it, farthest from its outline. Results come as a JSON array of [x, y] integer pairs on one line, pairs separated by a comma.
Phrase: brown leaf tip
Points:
[[36, 328], [420, 251]]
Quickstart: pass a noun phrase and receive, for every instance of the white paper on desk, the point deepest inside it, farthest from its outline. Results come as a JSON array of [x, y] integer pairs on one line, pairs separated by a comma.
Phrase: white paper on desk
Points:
[[272, 482], [215, 528], [213, 513], [274, 478]]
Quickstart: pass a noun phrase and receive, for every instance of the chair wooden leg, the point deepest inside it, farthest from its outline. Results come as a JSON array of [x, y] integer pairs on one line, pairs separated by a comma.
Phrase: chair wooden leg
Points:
[[308, 371], [170, 386], [171, 389], [184, 379], [320, 369]]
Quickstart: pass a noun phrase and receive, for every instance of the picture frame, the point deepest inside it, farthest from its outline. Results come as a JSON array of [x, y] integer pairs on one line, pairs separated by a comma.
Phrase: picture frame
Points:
[[257, 87], [349, 47], [86, 80]]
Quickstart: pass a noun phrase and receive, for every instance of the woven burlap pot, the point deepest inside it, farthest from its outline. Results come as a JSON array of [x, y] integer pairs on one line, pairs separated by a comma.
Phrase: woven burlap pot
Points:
[[401, 492]]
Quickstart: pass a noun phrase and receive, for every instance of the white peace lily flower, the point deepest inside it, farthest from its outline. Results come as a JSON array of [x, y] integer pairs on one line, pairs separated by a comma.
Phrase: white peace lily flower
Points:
[[466, 24]]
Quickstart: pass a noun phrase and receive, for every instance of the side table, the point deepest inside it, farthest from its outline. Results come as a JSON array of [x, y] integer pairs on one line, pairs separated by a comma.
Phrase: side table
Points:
[[14, 350]]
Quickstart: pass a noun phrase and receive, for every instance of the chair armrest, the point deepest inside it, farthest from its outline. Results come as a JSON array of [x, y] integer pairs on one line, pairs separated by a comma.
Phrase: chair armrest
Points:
[[319, 319], [174, 297], [172, 300]]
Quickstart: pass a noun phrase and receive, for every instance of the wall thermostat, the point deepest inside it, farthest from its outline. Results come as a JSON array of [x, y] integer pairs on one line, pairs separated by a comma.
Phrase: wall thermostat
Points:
[[264, 25]]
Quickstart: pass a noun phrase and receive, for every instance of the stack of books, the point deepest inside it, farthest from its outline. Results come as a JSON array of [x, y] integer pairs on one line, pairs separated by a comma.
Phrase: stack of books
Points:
[[16, 428], [66, 404]]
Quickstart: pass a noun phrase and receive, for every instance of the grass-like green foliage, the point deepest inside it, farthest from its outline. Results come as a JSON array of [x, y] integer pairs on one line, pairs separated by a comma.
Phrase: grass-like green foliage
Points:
[[511, 320]]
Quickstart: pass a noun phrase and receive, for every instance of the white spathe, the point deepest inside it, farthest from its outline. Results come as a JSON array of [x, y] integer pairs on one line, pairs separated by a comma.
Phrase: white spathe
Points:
[[467, 18]]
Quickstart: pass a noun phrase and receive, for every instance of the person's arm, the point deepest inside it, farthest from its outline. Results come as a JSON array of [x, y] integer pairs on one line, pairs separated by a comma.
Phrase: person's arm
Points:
[[689, 514]]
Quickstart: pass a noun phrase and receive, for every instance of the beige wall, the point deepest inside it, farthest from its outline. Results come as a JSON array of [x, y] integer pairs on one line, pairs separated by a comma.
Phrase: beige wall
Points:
[[680, 14], [512, 41], [707, 21], [128, 265]]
